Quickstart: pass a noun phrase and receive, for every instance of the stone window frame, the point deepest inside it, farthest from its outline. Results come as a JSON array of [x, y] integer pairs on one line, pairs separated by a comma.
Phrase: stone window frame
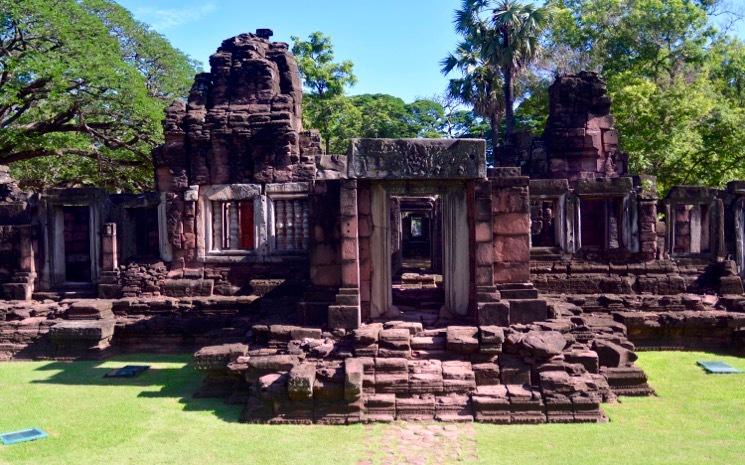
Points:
[[227, 193], [285, 191], [53, 265], [709, 233], [561, 207], [626, 230]]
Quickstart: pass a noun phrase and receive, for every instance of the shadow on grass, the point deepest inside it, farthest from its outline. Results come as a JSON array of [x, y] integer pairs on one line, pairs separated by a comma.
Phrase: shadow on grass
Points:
[[173, 382]]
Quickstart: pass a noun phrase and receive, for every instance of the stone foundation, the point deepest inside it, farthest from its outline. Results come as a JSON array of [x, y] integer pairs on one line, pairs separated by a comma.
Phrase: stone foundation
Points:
[[559, 370]]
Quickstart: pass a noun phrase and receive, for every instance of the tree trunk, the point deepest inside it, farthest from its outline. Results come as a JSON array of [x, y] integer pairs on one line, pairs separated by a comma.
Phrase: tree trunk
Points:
[[509, 98], [494, 122]]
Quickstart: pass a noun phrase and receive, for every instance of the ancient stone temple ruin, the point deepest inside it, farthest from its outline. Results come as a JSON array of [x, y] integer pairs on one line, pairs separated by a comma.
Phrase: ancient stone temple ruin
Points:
[[403, 280]]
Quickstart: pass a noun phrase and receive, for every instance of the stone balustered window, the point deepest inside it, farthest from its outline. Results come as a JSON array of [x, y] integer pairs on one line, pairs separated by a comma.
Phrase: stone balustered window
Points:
[[233, 222], [691, 229], [291, 230], [233, 225]]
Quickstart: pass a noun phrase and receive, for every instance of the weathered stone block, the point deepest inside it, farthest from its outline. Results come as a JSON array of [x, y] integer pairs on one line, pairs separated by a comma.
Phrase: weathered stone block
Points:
[[300, 381], [353, 379], [494, 313], [462, 339], [417, 159], [344, 316], [526, 311]]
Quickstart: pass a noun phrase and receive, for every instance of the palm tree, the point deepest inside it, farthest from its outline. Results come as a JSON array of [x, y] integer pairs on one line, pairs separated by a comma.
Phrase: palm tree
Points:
[[519, 26], [479, 85], [505, 35]]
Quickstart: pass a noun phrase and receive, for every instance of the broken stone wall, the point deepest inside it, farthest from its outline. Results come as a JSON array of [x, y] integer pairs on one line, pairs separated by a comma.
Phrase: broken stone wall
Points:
[[580, 138]]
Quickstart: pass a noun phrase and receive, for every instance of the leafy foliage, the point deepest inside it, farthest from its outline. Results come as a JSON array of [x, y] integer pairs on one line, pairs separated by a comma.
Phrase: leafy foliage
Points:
[[500, 38], [340, 117], [676, 82], [82, 91]]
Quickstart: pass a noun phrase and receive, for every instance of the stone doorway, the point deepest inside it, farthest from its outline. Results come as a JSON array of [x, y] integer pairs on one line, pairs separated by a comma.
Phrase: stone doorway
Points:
[[445, 251], [76, 235], [416, 240]]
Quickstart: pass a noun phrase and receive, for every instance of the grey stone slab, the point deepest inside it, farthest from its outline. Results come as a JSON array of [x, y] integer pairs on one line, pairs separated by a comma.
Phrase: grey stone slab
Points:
[[417, 159]]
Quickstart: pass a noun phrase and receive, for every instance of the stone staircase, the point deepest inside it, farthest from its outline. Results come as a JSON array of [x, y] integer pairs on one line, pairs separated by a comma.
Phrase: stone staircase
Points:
[[556, 370]]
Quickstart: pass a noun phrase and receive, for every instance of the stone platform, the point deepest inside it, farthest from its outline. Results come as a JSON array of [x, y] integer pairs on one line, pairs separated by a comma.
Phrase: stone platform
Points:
[[559, 370]]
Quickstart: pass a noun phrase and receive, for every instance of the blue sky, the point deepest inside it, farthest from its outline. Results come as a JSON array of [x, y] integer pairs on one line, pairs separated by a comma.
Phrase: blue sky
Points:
[[396, 45]]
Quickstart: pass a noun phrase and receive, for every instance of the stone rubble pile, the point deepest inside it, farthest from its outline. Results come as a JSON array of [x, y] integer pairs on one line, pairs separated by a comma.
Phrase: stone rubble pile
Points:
[[553, 371]]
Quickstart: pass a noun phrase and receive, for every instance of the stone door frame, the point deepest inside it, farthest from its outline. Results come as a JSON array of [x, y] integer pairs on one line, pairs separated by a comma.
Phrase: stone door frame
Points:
[[455, 232]]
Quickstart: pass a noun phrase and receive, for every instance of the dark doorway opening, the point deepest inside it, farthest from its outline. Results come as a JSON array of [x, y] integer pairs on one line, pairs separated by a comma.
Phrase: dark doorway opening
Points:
[[146, 231], [77, 239], [417, 257]]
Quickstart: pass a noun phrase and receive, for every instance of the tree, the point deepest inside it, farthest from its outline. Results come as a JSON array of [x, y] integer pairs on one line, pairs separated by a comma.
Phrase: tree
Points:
[[384, 115], [479, 84], [340, 117], [676, 82], [427, 118], [82, 91], [519, 27], [325, 81], [505, 35]]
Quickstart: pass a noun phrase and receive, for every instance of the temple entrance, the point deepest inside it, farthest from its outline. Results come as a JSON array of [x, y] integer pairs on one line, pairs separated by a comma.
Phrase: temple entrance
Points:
[[416, 239], [420, 260], [77, 244]]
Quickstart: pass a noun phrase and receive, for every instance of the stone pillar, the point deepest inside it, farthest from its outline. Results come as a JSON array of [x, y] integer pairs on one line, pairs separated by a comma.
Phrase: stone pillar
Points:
[[437, 236], [455, 260], [21, 285], [646, 199], [108, 282], [489, 308], [365, 230], [109, 258], [396, 235], [483, 232], [346, 313], [381, 297], [648, 229]]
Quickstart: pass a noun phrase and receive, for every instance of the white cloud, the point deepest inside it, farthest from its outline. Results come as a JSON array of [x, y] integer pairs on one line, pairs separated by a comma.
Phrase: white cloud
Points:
[[168, 18]]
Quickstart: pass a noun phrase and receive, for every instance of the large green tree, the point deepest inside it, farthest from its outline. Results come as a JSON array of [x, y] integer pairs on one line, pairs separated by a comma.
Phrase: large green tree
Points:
[[340, 117], [325, 81], [479, 83], [82, 91], [675, 80]]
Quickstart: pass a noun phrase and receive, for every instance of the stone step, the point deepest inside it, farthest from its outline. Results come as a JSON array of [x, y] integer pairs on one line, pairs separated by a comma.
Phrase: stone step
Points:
[[519, 293], [526, 311]]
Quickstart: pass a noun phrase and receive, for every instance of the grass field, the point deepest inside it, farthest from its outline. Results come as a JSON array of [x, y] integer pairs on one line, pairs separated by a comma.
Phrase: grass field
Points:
[[697, 419]]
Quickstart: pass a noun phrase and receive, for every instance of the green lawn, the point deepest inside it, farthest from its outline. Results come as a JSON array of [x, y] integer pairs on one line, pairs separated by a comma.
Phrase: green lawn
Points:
[[697, 419]]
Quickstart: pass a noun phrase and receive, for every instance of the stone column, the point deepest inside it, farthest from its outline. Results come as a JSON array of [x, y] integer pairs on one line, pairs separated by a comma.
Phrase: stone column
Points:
[[484, 256], [109, 259], [437, 235], [381, 297], [346, 313], [21, 285], [108, 282], [456, 266], [648, 229]]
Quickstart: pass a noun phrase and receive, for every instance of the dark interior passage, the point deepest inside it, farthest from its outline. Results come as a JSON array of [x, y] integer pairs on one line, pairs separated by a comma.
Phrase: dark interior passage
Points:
[[416, 236], [146, 231], [77, 239]]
